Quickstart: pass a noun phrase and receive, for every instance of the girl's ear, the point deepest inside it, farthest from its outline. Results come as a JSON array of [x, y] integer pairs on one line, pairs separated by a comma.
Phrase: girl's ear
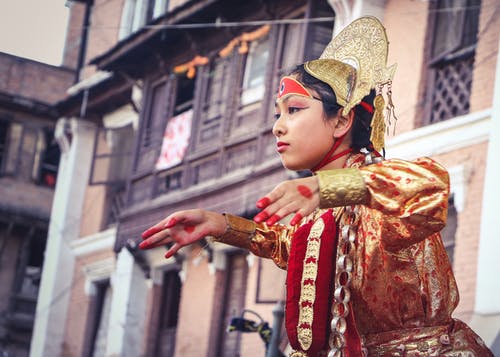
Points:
[[343, 123]]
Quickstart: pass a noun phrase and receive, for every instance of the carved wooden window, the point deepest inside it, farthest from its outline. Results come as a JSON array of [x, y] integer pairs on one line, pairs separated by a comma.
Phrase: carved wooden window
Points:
[[153, 121], [172, 178], [214, 100], [452, 57], [153, 124], [256, 64]]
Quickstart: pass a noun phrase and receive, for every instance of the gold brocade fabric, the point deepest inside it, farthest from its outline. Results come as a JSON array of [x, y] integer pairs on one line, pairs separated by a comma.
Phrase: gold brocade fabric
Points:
[[402, 280]]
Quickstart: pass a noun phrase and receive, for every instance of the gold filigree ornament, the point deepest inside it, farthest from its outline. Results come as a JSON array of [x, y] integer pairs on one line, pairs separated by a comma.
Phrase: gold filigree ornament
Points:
[[355, 62]]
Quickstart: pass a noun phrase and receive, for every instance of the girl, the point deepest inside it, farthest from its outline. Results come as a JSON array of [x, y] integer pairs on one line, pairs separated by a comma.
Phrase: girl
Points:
[[367, 272]]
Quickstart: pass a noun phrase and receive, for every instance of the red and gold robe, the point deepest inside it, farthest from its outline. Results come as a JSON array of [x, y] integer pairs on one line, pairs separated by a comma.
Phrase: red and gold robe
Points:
[[403, 291]]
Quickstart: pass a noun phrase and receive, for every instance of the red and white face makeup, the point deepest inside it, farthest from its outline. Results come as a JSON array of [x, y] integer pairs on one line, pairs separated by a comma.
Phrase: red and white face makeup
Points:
[[291, 86], [303, 135]]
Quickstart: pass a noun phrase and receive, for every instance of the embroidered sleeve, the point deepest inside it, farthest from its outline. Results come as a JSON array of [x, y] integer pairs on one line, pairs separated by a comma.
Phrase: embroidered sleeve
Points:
[[412, 196], [267, 242]]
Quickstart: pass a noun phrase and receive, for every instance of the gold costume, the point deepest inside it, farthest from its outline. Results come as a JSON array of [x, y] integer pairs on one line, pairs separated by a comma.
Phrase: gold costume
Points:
[[403, 291], [392, 290]]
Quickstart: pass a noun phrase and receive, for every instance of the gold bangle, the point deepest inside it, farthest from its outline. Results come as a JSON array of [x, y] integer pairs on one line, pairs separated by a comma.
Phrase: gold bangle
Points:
[[239, 231], [341, 187]]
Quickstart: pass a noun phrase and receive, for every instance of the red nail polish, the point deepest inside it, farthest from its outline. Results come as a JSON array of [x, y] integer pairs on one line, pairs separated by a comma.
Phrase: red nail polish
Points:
[[145, 244], [274, 218], [260, 217], [263, 202], [296, 219]]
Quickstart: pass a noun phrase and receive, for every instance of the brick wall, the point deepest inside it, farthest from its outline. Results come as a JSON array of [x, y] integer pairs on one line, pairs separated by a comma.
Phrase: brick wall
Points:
[[33, 80], [469, 220], [79, 305], [405, 22], [24, 197], [195, 307]]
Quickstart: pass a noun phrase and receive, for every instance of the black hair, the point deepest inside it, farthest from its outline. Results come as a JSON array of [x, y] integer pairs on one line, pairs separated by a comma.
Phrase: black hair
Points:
[[361, 128]]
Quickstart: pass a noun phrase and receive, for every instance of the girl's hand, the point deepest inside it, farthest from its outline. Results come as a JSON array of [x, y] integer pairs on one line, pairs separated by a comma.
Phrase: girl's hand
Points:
[[183, 228], [299, 196]]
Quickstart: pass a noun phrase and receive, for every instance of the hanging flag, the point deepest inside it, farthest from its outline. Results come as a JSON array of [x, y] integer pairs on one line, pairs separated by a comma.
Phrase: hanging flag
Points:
[[175, 140]]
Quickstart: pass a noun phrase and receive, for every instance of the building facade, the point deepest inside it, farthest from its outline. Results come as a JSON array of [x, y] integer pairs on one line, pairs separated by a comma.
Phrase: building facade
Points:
[[173, 110], [29, 158]]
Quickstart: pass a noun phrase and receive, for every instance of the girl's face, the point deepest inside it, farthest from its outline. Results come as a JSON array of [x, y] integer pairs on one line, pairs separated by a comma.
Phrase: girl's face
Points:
[[303, 134]]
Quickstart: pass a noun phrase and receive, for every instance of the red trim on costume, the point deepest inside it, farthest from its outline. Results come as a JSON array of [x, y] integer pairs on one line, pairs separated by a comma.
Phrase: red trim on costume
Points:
[[289, 86], [324, 279], [329, 157], [367, 107], [352, 337]]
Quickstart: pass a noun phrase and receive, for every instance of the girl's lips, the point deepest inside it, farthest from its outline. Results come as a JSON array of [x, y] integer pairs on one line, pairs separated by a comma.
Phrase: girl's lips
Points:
[[281, 146]]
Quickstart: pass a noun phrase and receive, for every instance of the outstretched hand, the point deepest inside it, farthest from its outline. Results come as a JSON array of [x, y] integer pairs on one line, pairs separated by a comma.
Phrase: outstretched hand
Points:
[[299, 196], [183, 228]]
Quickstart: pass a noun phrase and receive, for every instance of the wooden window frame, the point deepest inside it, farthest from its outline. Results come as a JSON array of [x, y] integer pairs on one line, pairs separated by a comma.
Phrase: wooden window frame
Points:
[[453, 58]]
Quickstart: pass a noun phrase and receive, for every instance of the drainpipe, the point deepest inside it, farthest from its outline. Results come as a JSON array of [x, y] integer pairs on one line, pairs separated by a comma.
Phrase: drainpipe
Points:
[[84, 37]]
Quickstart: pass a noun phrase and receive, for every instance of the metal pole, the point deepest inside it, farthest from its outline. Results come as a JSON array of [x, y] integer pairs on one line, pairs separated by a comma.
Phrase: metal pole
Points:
[[278, 313]]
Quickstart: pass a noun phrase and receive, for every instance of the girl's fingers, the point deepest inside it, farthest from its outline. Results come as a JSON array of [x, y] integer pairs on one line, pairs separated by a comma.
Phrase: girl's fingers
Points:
[[161, 237], [173, 250], [296, 219], [151, 231], [292, 207]]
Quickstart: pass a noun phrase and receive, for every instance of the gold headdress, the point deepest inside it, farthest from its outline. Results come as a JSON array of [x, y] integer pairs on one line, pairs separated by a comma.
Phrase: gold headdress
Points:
[[353, 64]]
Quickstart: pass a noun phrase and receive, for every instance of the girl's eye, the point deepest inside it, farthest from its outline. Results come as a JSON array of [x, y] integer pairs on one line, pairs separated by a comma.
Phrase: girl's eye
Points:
[[277, 116], [292, 110]]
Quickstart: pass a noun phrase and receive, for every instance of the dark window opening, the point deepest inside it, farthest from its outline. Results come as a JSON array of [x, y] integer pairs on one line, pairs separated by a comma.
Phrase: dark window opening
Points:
[[22, 308], [184, 95], [169, 314], [50, 160], [99, 318]]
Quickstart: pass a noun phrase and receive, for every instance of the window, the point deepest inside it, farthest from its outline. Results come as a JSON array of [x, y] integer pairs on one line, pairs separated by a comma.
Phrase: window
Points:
[[318, 34], [28, 274], [255, 72], [214, 100], [452, 57], [11, 144], [137, 13], [100, 307], [153, 124], [167, 326], [3, 142], [47, 159]]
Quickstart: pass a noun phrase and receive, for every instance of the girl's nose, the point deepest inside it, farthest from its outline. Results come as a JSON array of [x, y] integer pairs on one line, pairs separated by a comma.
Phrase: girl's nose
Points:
[[278, 127]]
